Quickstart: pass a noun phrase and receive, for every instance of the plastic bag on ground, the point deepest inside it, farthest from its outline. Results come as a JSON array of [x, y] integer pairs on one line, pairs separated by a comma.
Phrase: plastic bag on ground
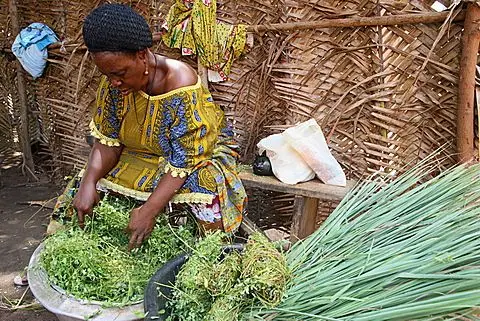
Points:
[[287, 165], [308, 140]]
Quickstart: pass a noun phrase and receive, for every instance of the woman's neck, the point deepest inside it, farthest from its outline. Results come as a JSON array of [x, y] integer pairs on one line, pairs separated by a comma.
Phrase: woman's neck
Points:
[[156, 74]]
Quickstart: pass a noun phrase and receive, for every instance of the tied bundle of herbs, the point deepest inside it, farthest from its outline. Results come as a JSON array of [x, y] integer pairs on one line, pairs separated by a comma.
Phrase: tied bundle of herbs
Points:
[[94, 265], [216, 286], [407, 249]]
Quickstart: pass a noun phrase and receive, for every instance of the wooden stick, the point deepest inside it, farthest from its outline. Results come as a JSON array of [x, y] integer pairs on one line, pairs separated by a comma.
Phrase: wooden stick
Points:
[[403, 19], [413, 18], [24, 135], [466, 84]]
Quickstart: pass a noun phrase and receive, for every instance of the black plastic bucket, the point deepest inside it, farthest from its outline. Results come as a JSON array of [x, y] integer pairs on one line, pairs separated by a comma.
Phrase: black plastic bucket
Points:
[[159, 288]]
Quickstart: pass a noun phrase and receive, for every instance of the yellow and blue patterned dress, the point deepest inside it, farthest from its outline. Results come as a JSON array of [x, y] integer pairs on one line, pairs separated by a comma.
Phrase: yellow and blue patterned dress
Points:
[[182, 132]]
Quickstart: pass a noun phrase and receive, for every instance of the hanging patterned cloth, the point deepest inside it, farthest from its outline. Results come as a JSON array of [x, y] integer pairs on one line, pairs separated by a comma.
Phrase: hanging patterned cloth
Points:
[[192, 27]]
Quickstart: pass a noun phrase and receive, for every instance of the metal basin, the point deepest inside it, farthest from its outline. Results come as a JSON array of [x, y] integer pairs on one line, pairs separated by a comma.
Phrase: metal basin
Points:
[[66, 307]]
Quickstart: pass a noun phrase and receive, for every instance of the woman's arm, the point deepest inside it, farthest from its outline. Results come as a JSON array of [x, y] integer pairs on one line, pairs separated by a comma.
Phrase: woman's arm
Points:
[[101, 160], [142, 219]]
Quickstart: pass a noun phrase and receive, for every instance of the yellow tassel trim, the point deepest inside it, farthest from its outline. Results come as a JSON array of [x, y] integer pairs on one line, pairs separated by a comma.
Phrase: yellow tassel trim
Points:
[[102, 138], [177, 172], [192, 198], [143, 196], [139, 195]]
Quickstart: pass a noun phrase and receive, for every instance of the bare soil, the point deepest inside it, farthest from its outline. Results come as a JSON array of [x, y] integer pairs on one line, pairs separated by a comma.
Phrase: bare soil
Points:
[[21, 230]]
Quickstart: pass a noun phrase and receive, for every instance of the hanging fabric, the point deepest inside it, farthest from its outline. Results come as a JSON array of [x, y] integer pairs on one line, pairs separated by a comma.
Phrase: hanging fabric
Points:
[[192, 27], [30, 47]]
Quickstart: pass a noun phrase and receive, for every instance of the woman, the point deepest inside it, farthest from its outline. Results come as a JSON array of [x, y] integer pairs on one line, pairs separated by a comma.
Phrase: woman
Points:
[[159, 136]]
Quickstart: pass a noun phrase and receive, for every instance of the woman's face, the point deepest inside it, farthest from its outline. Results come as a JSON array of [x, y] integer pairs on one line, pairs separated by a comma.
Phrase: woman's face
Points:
[[126, 71]]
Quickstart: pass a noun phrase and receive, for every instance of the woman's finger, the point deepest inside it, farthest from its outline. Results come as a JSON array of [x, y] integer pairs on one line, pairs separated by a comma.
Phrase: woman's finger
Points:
[[140, 239], [135, 240], [81, 218]]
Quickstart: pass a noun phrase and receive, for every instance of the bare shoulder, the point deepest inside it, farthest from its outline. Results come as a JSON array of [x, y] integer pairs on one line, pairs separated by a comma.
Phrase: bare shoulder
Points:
[[179, 74]]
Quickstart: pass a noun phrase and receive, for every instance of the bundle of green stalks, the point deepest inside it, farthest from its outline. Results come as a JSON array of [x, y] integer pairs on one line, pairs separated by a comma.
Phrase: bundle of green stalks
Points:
[[94, 264], [407, 249], [215, 287]]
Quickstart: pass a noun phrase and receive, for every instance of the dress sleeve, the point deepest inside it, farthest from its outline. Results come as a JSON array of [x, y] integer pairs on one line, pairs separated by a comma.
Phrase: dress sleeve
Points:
[[106, 120], [193, 130]]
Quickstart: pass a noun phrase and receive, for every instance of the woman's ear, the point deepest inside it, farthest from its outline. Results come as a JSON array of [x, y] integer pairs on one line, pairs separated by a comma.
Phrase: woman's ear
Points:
[[142, 54]]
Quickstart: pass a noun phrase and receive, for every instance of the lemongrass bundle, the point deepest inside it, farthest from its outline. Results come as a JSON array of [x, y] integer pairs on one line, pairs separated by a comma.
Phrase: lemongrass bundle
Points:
[[408, 249]]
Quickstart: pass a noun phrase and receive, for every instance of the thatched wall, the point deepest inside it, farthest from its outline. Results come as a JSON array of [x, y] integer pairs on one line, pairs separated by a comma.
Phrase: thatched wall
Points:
[[384, 96]]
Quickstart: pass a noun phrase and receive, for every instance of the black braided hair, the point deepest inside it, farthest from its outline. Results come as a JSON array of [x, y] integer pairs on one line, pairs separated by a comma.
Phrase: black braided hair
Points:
[[117, 28]]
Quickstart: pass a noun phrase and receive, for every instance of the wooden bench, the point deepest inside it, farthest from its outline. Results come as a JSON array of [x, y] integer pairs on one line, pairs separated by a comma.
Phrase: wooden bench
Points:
[[307, 196]]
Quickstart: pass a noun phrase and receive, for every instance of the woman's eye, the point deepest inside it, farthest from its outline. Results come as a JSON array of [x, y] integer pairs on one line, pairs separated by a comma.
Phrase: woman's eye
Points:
[[120, 74], [116, 77]]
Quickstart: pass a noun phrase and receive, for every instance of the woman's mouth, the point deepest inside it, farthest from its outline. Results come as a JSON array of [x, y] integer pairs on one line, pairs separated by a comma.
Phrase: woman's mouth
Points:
[[125, 91]]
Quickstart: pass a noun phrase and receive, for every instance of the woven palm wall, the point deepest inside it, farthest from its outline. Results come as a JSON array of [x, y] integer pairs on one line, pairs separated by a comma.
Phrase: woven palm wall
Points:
[[7, 94], [384, 96], [378, 105]]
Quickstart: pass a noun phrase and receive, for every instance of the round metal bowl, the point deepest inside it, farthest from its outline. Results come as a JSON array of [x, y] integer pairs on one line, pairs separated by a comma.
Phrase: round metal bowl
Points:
[[68, 308]]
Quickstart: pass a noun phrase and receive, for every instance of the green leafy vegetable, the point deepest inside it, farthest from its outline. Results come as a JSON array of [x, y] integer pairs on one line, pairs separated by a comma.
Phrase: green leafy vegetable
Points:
[[94, 264], [215, 287]]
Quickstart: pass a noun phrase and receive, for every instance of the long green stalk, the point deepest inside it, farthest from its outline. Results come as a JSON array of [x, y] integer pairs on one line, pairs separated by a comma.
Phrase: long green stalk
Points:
[[406, 249]]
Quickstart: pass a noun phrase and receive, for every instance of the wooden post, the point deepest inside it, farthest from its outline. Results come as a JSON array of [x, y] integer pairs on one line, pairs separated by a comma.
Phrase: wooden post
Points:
[[23, 133], [303, 220], [466, 84]]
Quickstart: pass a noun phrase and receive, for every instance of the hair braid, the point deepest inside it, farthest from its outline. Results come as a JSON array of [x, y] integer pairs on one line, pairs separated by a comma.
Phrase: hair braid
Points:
[[116, 27]]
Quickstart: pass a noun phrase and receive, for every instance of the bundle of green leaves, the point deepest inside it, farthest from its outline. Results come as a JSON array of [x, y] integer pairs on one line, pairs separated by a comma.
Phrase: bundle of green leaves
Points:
[[94, 265], [216, 286]]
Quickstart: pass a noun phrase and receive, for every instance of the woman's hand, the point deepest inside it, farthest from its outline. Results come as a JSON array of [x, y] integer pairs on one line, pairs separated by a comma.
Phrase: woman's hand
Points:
[[142, 222], [84, 201], [101, 160], [142, 219]]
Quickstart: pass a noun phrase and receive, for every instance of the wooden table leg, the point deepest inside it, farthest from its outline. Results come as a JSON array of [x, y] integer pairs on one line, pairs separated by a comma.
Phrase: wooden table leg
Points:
[[303, 220]]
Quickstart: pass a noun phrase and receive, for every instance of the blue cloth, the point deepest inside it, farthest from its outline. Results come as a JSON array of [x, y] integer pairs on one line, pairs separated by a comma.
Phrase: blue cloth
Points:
[[30, 47]]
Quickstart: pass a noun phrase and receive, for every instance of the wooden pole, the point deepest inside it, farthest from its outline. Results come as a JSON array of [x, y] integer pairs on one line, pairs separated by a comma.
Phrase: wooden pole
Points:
[[466, 84], [390, 20], [23, 134], [413, 18]]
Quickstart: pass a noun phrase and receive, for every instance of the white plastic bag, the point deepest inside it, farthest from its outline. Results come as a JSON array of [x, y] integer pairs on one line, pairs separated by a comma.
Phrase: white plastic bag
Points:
[[308, 140], [287, 165]]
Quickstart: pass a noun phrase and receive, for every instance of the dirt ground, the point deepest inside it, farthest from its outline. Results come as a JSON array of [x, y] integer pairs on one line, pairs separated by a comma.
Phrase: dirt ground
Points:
[[21, 230]]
